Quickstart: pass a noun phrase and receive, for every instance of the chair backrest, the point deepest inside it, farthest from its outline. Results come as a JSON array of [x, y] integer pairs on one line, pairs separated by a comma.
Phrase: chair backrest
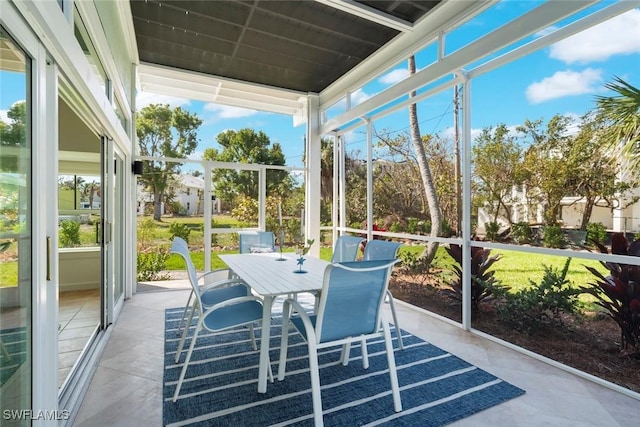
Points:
[[256, 241], [346, 248], [180, 247], [380, 249], [352, 294]]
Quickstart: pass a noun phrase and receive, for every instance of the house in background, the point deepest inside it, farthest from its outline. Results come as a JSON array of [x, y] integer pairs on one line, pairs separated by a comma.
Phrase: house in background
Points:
[[187, 191]]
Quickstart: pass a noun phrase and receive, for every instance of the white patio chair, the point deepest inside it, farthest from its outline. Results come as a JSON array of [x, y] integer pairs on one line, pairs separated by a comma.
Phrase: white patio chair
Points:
[[350, 310], [256, 241], [225, 314], [384, 249], [346, 248], [217, 286]]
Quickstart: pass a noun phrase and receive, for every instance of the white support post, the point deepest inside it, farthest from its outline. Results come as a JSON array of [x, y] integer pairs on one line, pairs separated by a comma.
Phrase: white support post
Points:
[[336, 195], [369, 178], [262, 198], [466, 205], [206, 205], [313, 175], [342, 182]]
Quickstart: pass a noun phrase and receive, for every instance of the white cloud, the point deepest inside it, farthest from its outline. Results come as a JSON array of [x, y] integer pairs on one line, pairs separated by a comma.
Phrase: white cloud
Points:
[[617, 36], [3, 116], [229, 112], [395, 76], [359, 96], [564, 83], [144, 99], [449, 133]]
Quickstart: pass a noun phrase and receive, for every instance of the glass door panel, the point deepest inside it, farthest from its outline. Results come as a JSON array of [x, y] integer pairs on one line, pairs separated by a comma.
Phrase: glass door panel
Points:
[[15, 228]]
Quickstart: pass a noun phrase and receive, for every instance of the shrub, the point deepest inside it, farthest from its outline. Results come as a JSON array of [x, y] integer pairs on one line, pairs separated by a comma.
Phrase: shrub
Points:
[[412, 225], [553, 237], [491, 230], [151, 264], [596, 232], [147, 231], [69, 234], [179, 229], [541, 303], [521, 232], [414, 265], [619, 293], [483, 284], [396, 227]]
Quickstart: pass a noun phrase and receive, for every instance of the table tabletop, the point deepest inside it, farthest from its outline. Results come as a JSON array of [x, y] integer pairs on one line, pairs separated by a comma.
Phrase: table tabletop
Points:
[[267, 276]]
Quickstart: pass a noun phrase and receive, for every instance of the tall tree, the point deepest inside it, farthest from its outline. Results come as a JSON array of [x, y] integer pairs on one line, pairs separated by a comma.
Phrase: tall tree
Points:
[[425, 172], [13, 134], [163, 132], [622, 111], [546, 170], [247, 146], [496, 158]]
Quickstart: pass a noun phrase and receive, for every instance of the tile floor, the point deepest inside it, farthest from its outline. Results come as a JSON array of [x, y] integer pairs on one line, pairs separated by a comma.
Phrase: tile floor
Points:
[[78, 318], [127, 387]]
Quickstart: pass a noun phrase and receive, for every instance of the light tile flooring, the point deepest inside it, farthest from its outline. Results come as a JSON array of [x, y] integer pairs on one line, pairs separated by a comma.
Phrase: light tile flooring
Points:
[[78, 318], [127, 387]]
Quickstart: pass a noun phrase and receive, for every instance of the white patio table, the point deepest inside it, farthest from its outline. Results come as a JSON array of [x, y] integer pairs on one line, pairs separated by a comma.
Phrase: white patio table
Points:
[[271, 278]]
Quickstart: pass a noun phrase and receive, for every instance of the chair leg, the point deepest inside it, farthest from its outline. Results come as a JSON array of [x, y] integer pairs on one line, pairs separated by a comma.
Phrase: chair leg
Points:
[[344, 357], [184, 312], [395, 321], [391, 361], [365, 354], [186, 363], [284, 341], [253, 337], [316, 393], [185, 331]]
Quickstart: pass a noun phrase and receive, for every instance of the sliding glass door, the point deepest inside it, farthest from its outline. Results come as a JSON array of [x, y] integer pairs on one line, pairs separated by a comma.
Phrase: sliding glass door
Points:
[[15, 228]]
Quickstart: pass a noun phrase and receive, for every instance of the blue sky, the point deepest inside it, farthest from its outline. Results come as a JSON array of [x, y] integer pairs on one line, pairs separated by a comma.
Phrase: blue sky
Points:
[[563, 78]]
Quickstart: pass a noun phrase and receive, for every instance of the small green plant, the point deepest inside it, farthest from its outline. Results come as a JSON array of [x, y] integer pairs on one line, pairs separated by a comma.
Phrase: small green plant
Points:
[[412, 225], [415, 266], [492, 230], [521, 232], [147, 231], [541, 303], [596, 232], [179, 229], [483, 282], [553, 237], [396, 227], [150, 265], [69, 234]]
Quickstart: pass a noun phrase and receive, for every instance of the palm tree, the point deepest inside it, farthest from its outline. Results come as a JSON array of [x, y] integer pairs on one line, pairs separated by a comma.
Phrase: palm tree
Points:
[[425, 173], [622, 111]]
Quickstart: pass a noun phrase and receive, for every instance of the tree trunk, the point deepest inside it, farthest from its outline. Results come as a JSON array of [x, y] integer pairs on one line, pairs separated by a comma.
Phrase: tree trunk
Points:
[[425, 173], [157, 206]]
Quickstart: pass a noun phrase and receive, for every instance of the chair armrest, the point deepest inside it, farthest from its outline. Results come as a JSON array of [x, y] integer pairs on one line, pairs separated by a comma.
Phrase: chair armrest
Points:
[[229, 302], [222, 284], [208, 274], [306, 321]]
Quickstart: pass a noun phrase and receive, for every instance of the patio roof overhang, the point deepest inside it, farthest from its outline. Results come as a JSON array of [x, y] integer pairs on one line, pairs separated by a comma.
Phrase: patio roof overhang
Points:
[[269, 55]]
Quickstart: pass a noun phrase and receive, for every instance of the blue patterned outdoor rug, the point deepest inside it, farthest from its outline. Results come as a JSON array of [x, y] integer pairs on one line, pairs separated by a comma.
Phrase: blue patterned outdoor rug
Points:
[[220, 386], [13, 351]]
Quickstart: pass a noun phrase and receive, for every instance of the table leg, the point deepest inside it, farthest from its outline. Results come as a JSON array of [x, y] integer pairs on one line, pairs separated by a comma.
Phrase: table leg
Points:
[[263, 370]]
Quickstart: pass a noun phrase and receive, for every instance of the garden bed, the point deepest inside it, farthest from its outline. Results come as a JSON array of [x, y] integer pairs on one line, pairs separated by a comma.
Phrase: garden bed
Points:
[[589, 343]]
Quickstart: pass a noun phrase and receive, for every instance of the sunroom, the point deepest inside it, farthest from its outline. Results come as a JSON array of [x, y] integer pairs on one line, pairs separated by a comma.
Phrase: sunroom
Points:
[[315, 61]]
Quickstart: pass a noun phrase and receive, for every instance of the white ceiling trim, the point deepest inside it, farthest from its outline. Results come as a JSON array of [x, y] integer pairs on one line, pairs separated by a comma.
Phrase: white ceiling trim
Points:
[[370, 14], [202, 87]]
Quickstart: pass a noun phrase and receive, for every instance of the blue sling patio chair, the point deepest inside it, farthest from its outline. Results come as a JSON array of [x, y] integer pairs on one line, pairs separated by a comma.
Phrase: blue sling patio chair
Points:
[[349, 311], [224, 313], [256, 242], [384, 249], [346, 248], [210, 289]]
